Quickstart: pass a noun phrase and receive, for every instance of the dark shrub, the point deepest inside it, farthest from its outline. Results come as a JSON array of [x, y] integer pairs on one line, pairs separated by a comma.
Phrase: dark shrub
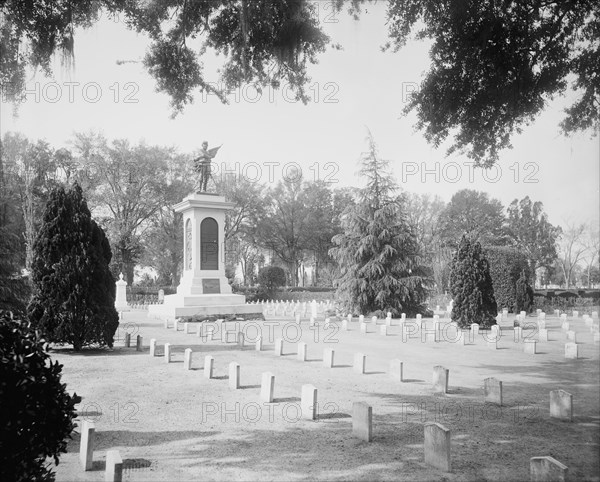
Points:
[[270, 278], [471, 287], [36, 412]]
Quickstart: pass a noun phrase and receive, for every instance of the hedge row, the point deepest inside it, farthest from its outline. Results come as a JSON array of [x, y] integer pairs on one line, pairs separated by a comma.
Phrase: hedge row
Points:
[[506, 265]]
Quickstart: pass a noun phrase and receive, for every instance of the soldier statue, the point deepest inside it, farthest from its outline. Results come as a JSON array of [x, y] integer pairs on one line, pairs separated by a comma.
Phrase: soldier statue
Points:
[[202, 166]]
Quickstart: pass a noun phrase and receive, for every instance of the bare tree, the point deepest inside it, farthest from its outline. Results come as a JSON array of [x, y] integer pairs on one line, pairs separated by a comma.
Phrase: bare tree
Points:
[[572, 250], [592, 243]]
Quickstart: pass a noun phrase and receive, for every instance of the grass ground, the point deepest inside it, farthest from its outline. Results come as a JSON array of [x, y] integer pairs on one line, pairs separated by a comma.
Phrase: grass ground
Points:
[[172, 424]]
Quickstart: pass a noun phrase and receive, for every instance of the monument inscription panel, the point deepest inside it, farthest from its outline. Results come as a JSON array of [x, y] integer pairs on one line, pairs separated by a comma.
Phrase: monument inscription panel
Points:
[[211, 286]]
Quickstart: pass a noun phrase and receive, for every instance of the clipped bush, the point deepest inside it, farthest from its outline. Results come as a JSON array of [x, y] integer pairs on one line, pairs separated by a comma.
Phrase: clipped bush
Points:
[[73, 288], [523, 295], [471, 287], [270, 278], [506, 265], [36, 412]]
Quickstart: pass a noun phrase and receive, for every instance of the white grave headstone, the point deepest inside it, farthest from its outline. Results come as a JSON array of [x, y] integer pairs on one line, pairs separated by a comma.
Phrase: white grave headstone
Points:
[[561, 405], [328, 355], [302, 351], [234, 375], [360, 361], [396, 370], [267, 387], [437, 446], [86, 445], [493, 391], [209, 363], [440, 379], [546, 469], [308, 402], [571, 350], [187, 359], [362, 421]]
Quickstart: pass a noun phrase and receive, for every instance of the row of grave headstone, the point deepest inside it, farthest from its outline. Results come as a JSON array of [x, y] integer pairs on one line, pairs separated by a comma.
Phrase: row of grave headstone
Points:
[[571, 348], [437, 437]]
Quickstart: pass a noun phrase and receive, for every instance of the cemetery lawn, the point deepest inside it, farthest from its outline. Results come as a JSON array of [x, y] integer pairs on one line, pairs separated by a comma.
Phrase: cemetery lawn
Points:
[[172, 424]]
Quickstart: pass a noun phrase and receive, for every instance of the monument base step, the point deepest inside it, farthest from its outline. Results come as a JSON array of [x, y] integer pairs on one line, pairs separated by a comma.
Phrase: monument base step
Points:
[[187, 300]]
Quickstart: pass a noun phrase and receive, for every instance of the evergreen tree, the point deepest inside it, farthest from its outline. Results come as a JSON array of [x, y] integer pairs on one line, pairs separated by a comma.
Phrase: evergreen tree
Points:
[[74, 291], [377, 252], [471, 286]]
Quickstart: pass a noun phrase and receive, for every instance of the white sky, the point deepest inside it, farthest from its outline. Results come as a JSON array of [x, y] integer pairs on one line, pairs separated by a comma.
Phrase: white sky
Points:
[[369, 87]]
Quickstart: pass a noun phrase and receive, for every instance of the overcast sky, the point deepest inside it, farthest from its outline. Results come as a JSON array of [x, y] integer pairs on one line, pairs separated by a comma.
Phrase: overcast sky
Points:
[[354, 89]]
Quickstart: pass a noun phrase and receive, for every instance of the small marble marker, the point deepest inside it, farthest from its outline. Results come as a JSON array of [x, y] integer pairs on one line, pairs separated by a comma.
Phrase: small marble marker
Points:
[[86, 445], [187, 359], [440, 379], [530, 347], [544, 469], [267, 386], [437, 446], [209, 363], [308, 402], [571, 350], [328, 355], [302, 351], [561, 405], [360, 362], [114, 466], [396, 370], [234, 375], [362, 421], [279, 347], [493, 391]]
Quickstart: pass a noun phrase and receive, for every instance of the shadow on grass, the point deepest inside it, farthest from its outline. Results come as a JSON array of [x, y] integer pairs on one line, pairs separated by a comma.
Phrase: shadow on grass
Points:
[[286, 399]]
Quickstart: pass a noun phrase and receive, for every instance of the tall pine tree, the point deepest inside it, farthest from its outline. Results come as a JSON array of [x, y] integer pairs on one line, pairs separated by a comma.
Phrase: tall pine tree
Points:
[[377, 252], [74, 291], [471, 286]]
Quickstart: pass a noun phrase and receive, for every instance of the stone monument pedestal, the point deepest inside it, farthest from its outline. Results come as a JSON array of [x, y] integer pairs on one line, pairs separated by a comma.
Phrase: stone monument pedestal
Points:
[[203, 289]]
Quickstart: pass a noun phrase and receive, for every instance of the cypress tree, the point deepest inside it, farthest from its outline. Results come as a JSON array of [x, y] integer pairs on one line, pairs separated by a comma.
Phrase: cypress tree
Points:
[[471, 287], [74, 291]]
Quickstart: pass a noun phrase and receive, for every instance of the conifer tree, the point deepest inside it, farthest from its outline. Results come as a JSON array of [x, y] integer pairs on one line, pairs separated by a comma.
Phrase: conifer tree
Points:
[[377, 252], [471, 286], [74, 291]]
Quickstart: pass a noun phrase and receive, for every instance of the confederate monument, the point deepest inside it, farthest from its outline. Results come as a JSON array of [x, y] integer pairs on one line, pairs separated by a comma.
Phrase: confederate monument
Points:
[[203, 289]]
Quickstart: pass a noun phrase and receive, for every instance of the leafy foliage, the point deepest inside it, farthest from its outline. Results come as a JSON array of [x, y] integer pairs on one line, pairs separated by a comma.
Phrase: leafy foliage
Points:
[[377, 252], [506, 266], [471, 287], [475, 214], [74, 291], [530, 232], [523, 294], [270, 278], [36, 412], [495, 64]]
